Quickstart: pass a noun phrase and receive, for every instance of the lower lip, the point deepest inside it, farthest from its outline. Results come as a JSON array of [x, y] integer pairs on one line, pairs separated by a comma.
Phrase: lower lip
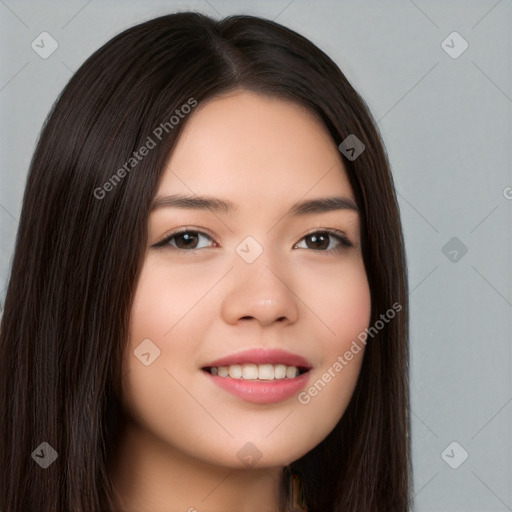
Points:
[[261, 392]]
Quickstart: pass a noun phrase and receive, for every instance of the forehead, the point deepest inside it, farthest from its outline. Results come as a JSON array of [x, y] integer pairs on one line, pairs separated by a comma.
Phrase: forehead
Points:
[[254, 147]]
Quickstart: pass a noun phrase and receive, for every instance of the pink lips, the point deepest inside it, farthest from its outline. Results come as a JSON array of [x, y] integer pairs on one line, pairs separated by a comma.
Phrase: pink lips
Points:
[[258, 391], [262, 356]]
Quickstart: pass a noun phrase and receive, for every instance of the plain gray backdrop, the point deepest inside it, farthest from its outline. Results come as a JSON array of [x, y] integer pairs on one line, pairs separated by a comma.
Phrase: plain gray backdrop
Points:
[[444, 111]]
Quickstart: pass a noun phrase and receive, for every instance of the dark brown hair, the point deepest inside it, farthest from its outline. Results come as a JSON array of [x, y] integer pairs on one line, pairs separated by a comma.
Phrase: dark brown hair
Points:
[[77, 260]]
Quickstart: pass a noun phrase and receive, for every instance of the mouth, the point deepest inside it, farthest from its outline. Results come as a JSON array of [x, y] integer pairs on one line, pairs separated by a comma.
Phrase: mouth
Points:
[[260, 376], [257, 372]]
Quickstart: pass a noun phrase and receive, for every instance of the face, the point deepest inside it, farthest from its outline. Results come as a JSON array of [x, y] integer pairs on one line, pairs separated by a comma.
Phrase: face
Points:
[[240, 322]]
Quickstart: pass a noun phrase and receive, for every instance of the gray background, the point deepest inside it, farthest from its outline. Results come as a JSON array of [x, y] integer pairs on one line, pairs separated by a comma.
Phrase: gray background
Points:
[[446, 123]]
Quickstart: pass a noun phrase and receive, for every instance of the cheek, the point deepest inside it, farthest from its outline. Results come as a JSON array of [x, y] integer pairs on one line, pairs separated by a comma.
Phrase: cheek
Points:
[[344, 306], [349, 307], [341, 300], [154, 389], [159, 300], [166, 299], [159, 310]]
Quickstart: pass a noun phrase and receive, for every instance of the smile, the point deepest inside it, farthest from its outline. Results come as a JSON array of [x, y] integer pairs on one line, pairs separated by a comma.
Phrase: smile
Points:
[[264, 372], [260, 376]]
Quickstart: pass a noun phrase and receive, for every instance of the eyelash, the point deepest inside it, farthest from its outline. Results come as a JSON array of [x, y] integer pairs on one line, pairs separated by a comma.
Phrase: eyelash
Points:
[[344, 241]]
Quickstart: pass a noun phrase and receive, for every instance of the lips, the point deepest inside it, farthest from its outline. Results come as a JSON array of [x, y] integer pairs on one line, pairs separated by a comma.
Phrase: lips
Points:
[[262, 356], [265, 388]]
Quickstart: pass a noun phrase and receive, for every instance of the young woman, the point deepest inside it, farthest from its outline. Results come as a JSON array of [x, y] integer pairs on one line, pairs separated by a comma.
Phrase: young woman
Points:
[[207, 308]]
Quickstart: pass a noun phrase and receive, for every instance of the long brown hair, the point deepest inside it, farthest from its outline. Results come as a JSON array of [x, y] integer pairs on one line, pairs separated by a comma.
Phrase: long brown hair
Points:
[[78, 255]]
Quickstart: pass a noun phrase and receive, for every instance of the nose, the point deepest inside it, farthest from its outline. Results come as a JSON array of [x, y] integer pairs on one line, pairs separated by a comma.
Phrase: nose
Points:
[[260, 291]]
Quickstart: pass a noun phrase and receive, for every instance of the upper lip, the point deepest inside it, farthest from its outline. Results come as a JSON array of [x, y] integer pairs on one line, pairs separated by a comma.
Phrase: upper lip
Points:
[[262, 356]]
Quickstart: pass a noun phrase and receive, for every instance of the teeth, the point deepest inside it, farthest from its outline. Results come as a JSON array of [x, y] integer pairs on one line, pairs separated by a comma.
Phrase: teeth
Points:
[[256, 371], [222, 371], [265, 372], [291, 372], [249, 372], [235, 371], [279, 371]]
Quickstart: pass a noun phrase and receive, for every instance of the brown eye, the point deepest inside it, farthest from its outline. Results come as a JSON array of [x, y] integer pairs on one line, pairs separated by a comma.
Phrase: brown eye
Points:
[[321, 241], [318, 240], [186, 240]]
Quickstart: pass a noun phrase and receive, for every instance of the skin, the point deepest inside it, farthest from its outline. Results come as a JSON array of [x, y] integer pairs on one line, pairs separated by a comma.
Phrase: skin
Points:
[[178, 450]]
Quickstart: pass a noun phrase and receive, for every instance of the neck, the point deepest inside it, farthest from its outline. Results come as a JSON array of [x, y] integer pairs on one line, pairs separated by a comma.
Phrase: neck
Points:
[[149, 474]]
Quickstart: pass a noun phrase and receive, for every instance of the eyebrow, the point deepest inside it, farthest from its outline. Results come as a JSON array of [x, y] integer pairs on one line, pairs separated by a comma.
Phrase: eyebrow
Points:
[[319, 205]]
